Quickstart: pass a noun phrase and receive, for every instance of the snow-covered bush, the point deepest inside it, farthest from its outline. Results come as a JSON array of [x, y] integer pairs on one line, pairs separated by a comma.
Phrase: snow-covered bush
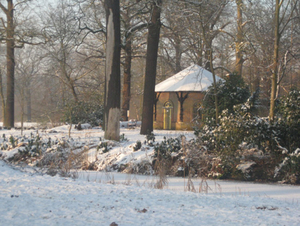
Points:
[[167, 147], [290, 107], [237, 131], [240, 130], [289, 115], [57, 156], [238, 127], [34, 147], [123, 138], [104, 147], [137, 145], [150, 139], [288, 138], [289, 169]]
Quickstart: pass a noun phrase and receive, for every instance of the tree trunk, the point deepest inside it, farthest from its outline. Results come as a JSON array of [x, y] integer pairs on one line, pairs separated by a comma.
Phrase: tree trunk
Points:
[[177, 55], [112, 70], [127, 80], [2, 96], [151, 63], [10, 61], [28, 101], [66, 77], [22, 92], [239, 39], [215, 84], [275, 63], [209, 66]]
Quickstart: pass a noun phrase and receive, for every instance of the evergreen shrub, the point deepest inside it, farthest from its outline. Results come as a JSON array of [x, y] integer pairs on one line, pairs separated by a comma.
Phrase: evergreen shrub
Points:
[[168, 146], [230, 92], [83, 112]]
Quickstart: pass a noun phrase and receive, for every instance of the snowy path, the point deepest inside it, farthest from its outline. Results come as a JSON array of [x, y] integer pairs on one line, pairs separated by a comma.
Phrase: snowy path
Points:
[[30, 199]]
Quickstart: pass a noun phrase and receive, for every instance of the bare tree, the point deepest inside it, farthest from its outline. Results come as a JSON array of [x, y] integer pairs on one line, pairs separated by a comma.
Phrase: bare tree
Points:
[[15, 36], [175, 34], [280, 26], [132, 21], [27, 68], [60, 28]]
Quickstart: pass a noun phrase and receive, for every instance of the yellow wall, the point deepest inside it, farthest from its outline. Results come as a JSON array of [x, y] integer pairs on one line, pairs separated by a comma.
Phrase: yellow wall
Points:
[[187, 124]]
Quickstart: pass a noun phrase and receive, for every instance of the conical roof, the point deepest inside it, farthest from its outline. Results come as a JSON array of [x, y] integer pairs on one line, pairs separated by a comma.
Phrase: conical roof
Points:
[[193, 78]]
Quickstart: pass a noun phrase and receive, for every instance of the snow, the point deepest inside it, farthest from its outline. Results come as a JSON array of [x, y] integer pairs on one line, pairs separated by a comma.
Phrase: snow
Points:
[[31, 199], [193, 78], [28, 197]]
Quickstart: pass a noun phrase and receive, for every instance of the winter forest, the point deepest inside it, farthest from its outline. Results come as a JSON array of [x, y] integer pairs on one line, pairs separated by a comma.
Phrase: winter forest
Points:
[[58, 50], [78, 105], [86, 61]]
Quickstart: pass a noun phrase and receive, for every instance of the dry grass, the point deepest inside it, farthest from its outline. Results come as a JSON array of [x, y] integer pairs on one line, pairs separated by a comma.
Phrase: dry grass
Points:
[[64, 164], [190, 185], [204, 187], [110, 178], [160, 169]]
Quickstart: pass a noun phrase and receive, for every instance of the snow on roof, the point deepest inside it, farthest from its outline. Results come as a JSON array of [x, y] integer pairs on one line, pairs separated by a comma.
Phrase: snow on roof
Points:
[[193, 78]]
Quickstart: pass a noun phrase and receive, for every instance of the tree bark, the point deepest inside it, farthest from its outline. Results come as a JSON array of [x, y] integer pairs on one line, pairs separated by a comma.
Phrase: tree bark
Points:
[[239, 39], [209, 65], [2, 96], [129, 17], [151, 63], [215, 85], [112, 70], [28, 105], [127, 80], [10, 63], [275, 62], [178, 54]]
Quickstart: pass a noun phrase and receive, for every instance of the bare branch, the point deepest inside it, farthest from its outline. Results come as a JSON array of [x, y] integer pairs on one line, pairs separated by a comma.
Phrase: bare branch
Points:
[[3, 23], [223, 68], [288, 20], [3, 8], [135, 28], [19, 3], [225, 32]]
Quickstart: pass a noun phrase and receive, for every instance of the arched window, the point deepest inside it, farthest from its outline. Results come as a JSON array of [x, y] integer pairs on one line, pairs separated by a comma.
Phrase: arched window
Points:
[[168, 109], [168, 104]]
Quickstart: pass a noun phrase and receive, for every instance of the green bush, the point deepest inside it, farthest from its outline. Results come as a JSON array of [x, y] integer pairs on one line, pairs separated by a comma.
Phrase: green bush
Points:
[[83, 112], [289, 169], [137, 145], [104, 147], [289, 120], [231, 91], [241, 129], [236, 128], [150, 137], [165, 149]]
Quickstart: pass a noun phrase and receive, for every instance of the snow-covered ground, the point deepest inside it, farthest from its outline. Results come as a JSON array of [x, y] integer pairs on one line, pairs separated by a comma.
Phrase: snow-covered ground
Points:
[[97, 198], [31, 199], [281, 192]]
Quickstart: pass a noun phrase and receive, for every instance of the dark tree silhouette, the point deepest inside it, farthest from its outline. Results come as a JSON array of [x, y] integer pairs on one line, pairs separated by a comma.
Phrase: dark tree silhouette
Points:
[[151, 63]]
